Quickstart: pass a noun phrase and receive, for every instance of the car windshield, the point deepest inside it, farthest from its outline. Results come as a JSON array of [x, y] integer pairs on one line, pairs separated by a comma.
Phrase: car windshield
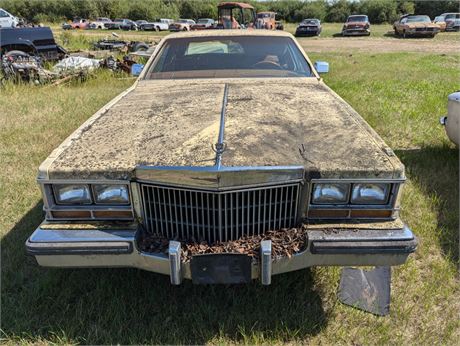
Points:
[[424, 19], [203, 21], [222, 57], [453, 16], [310, 21], [263, 15], [357, 19]]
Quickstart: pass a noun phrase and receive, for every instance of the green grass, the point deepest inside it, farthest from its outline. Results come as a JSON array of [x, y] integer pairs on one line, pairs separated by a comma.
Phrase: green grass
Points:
[[402, 96], [82, 39]]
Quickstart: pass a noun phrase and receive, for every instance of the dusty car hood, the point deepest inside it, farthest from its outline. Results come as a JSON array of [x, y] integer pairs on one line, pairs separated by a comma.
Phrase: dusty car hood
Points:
[[422, 25], [175, 123]]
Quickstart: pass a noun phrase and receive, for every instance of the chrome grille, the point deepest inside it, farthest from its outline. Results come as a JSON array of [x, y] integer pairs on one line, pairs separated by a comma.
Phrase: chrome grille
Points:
[[188, 214]]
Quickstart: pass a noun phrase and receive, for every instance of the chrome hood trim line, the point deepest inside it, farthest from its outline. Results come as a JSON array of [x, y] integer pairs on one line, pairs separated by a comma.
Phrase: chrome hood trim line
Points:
[[219, 177]]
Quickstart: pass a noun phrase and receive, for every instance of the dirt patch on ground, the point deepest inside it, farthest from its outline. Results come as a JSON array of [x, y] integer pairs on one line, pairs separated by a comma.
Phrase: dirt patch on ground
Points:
[[379, 45]]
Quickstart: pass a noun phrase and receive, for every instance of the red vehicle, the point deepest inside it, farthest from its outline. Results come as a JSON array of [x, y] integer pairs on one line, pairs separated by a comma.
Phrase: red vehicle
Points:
[[79, 23], [235, 15]]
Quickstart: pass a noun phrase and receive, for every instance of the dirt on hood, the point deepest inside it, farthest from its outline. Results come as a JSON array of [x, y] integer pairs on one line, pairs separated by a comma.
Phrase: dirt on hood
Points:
[[268, 122]]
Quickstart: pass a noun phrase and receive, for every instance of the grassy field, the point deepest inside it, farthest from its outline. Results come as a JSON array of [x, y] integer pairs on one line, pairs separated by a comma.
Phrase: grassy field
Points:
[[401, 95], [81, 39]]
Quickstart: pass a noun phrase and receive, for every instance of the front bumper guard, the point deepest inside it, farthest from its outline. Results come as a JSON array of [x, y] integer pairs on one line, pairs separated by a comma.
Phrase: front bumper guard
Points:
[[117, 248]]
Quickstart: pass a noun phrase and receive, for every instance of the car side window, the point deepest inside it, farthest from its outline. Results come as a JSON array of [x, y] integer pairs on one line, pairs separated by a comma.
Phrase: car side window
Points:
[[403, 21], [3, 14]]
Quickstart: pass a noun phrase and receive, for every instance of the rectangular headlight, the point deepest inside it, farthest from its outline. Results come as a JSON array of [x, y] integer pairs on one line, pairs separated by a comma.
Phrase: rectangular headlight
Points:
[[330, 193], [72, 194], [370, 193], [111, 194]]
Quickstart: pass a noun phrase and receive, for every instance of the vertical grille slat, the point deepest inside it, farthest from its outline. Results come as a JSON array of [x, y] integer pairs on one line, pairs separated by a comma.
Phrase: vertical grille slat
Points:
[[212, 216]]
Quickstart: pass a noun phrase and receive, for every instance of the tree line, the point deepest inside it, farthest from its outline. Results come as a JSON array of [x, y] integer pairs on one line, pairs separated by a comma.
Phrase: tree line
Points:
[[379, 11]]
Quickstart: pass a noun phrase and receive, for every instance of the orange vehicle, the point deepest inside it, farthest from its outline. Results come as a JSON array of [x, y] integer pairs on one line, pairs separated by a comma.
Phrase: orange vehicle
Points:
[[266, 20], [411, 25], [235, 15]]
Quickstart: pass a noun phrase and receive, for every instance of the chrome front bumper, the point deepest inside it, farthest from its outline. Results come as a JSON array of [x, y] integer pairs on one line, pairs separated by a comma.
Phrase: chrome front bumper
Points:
[[70, 248]]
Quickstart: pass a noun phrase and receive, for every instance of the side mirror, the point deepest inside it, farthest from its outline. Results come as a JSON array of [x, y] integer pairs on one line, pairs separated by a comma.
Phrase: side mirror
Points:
[[322, 66], [136, 69]]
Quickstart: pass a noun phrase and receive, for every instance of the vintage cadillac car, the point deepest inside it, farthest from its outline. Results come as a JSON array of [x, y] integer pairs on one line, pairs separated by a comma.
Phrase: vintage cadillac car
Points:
[[355, 25], [415, 26], [226, 136]]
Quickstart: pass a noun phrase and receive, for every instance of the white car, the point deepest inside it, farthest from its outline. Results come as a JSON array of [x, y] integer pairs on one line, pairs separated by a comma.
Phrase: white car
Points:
[[452, 120], [99, 23], [7, 20]]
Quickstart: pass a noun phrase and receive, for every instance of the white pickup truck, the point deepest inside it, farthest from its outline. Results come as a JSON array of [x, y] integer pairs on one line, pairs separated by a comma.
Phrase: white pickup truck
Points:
[[7, 20]]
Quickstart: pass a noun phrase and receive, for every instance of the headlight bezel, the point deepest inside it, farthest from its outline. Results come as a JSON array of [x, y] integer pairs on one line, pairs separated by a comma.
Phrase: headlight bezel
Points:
[[95, 194], [57, 195], [93, 198], [346, 186], [384, 201], [391, 193]]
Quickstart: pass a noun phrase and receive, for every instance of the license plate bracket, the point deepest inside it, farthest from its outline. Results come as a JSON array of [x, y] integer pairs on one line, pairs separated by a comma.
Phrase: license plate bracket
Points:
[[221, 269]]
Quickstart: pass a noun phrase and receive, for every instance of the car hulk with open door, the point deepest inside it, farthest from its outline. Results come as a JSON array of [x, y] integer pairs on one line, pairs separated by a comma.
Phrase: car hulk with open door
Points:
[[229, 159]]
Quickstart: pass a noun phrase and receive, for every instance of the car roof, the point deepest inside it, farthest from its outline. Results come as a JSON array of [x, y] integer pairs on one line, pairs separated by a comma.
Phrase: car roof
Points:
[[234, 4], [229, 33]]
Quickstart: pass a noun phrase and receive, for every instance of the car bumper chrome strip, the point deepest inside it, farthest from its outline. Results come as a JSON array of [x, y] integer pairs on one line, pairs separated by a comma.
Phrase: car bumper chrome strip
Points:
[[117, 248]]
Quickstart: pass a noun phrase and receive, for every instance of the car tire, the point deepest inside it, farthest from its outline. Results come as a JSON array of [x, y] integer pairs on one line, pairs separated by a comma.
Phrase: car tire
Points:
[[140, 46], [184, 29], [17, 52], [157, 28], [404, 34]]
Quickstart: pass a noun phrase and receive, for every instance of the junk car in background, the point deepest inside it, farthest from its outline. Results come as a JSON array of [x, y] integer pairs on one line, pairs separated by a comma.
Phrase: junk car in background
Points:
[[203, 23], [122, 24], [411, 25], [309, 27], [357, 25], [181, 25], [452, 21], [160, 25], [37, 41], [7, 20], [99, 23], [237, 191]]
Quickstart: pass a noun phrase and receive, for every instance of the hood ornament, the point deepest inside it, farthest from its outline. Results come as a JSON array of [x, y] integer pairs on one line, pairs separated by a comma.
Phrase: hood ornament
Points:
[[219, 148]]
